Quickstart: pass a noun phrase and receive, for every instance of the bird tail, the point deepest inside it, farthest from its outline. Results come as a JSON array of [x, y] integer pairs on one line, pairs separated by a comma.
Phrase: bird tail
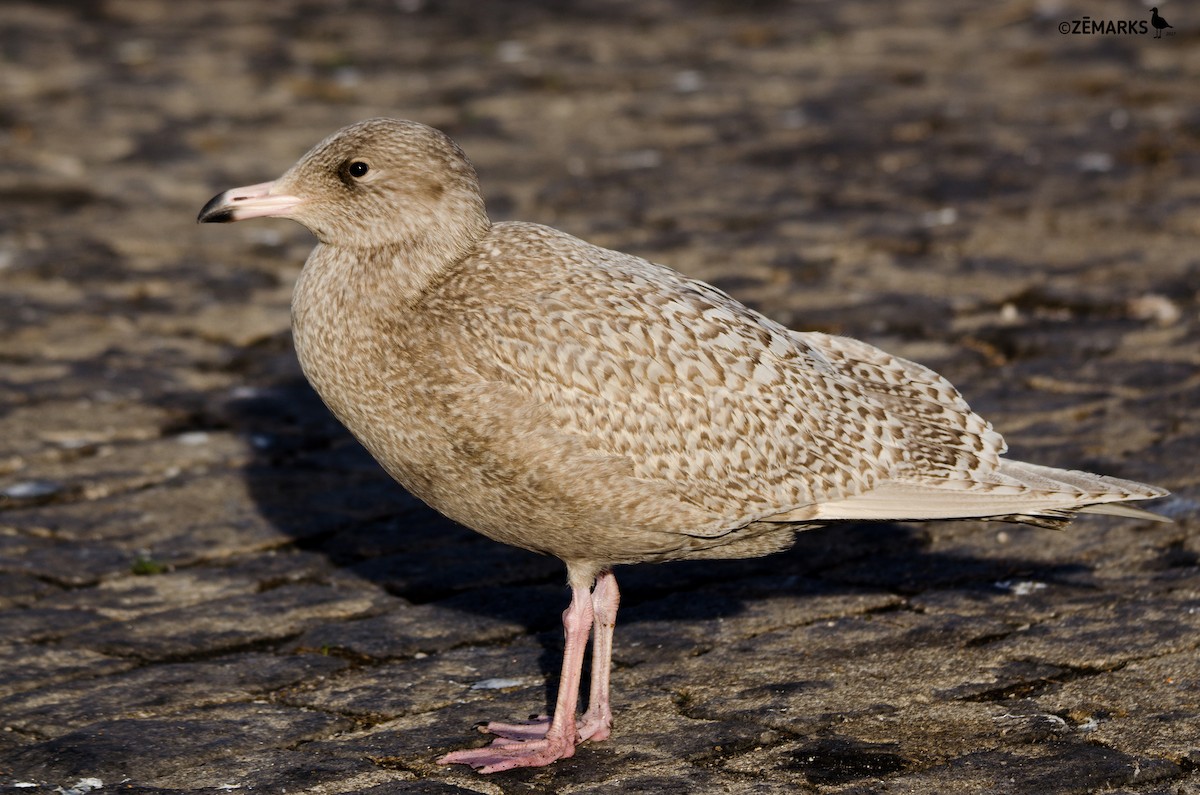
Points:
[[1016, 491]]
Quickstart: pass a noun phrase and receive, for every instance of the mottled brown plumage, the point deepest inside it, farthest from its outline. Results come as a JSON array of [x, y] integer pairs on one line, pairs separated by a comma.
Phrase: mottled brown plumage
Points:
[[594, 406]]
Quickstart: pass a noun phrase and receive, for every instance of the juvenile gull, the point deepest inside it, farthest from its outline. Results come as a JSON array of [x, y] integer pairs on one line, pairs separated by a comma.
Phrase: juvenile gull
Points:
[[591, 405]]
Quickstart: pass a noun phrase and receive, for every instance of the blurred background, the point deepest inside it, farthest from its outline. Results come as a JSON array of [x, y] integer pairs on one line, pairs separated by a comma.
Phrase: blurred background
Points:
[[960, 183]]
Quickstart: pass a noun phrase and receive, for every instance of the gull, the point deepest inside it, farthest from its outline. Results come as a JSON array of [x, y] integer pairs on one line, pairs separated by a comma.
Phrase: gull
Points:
[[603, 409]]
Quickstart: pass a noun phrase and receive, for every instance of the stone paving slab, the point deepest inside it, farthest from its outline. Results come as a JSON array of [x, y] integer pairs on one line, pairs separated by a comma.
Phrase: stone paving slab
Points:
[[206, 586]]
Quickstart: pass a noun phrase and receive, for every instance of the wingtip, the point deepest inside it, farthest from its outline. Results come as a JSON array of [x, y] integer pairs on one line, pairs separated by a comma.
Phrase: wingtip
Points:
[[1127, 511]]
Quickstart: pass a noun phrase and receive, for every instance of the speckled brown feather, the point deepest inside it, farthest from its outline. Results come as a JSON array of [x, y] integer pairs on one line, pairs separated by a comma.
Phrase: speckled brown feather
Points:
[[592, 405]]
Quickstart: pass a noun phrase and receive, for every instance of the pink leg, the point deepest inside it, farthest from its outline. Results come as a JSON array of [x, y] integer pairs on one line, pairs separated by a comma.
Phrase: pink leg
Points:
[[597, 721], [537, 744]]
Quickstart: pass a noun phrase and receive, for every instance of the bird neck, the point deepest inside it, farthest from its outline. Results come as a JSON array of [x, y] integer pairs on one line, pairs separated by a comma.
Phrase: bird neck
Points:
[[397, 272], [368, 280]]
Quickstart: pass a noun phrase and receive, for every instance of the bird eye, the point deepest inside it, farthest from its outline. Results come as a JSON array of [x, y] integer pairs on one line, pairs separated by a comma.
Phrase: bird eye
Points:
[[359, 169]]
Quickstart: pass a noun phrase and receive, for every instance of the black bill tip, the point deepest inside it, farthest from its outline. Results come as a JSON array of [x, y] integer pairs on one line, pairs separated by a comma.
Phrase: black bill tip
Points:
[[217, 211]]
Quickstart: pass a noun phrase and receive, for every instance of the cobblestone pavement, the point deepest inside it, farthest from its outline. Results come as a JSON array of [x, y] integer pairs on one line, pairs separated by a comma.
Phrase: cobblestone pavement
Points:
[[206, 586]]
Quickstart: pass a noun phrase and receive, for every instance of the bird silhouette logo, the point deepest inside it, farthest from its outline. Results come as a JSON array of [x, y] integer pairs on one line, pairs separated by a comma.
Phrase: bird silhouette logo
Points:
[[1158, 23]]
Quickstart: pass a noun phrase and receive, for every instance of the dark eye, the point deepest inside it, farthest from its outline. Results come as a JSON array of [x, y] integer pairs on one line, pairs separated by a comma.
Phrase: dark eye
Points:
[[359, 169]]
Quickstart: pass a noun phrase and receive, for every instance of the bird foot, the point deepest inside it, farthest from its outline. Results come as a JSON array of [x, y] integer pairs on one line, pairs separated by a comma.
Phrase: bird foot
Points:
[[595, 726], [516, 745]]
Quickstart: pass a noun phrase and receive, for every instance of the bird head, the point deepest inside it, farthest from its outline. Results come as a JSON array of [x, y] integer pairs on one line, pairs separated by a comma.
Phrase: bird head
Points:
[[377, 183]]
